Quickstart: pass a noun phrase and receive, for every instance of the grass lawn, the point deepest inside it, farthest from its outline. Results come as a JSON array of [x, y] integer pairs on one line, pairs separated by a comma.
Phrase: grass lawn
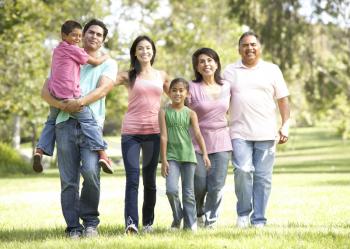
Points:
[[309, 206]]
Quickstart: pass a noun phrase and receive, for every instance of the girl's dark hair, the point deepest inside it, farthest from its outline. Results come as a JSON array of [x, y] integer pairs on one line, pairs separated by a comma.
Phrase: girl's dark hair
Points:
[[135, 67], [69, 25], [180, 80], [212, 54]]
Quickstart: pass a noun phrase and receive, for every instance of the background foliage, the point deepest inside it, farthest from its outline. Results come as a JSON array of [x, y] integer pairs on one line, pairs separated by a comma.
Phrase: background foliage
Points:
[[313, 49]]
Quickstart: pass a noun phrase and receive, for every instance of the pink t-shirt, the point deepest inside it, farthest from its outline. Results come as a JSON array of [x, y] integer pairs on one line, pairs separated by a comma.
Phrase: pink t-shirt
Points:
[[211, 117], [65, 70], [143, 107], [253, 94]]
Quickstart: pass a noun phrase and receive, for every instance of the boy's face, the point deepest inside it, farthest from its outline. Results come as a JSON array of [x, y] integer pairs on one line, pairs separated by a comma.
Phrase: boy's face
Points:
[[74, 37]]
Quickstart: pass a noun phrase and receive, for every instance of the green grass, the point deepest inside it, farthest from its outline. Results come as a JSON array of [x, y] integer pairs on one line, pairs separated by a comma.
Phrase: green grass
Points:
[[309, 206]]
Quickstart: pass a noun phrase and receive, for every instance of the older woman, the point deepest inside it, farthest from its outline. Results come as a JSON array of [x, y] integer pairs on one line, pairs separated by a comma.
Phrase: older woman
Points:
[[210, 98]]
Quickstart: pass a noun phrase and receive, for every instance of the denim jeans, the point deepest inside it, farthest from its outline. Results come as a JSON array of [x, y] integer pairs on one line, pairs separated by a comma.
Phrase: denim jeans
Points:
[[253, 162], [75, 159], [188, 212], [208, 185], [88, 124], [131, 147]]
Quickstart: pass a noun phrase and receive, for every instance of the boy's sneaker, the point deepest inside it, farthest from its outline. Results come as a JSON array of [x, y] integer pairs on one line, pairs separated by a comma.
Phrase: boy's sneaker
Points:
[[131, 230], [242, 221], [90, 232], [147, 229], [201, 221], [106, 164], [37, 166]]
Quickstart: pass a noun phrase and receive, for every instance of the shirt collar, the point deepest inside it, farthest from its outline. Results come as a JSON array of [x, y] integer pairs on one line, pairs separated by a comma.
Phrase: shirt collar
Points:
[[240, 64]]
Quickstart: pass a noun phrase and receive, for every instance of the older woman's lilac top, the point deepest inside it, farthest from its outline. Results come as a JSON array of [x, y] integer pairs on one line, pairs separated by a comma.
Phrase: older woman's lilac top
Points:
[[211, 117]]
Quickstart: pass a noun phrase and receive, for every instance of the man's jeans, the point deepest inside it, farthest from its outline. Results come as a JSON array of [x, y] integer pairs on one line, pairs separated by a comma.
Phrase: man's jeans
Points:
[[188, 212], [131, 146], [74, 159], [88, 124], [208, 185], [253, 162]]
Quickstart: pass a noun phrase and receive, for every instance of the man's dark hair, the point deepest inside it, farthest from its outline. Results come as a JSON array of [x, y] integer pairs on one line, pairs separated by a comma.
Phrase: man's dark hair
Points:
[[98, 23], [248, 33], [69, 25]]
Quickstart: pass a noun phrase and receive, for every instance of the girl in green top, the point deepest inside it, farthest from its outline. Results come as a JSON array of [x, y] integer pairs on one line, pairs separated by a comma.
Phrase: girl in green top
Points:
[[177, 154]]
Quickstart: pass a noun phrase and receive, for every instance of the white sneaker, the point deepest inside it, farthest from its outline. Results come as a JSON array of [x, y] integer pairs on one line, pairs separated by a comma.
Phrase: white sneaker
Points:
[[90, 232], [259, 225], [131, 230], [147, 229], [201, 221], [242, 221]]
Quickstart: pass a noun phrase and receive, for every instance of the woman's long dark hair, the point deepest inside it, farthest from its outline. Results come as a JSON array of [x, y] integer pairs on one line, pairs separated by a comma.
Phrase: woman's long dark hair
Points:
[[212, 54], [135, 67]]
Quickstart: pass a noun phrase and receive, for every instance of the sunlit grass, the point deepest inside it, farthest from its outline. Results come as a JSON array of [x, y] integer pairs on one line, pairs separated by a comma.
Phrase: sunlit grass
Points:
[[309, 206]]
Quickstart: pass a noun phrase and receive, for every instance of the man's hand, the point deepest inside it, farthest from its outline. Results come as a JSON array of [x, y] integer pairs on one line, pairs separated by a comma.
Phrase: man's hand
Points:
[[283, 133], [72, 105]]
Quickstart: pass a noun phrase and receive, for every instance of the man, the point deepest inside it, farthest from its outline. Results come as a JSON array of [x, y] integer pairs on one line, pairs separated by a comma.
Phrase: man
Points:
[[255, 85], [73, 154]]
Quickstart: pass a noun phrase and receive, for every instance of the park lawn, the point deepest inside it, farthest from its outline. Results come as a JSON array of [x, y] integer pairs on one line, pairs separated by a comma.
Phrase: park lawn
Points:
[[309, 206]]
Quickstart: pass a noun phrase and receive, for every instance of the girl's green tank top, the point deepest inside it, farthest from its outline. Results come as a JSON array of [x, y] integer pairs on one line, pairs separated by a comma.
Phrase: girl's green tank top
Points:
[[179, 147]]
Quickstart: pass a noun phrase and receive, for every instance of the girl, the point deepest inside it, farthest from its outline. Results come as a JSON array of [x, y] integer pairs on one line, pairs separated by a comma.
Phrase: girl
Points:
[[140, 131], [178, 156]]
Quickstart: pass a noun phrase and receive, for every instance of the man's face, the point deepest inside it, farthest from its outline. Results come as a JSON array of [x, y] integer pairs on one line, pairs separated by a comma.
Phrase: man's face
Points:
[[250, 50], [93, 38]]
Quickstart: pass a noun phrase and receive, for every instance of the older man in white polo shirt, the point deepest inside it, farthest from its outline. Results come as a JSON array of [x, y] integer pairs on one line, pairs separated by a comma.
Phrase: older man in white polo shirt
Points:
[[255, 86]]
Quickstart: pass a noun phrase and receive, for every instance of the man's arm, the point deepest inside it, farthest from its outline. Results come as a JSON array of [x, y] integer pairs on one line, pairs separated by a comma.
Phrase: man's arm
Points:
[[46, 95], [283, 105]]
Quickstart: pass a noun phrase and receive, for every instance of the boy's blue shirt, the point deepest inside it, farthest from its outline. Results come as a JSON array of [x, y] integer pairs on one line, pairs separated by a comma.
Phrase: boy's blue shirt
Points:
[[89, 78]]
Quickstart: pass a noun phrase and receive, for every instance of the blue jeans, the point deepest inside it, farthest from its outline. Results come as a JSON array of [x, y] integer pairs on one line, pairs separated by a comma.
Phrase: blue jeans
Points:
[[89, 127], [131, 147], [75, 159], [253, 162], [188, 212], [208, 185]]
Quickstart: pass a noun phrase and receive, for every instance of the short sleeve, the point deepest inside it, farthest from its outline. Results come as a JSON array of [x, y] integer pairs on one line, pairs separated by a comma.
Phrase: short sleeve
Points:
[[110, 69], [281, 89], [77, 54]]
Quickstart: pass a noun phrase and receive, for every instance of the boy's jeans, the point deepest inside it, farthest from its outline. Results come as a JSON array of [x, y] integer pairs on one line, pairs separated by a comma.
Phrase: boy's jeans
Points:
[[253, 162], [188, 212], [208, 185], [75, 159], [89, 127]]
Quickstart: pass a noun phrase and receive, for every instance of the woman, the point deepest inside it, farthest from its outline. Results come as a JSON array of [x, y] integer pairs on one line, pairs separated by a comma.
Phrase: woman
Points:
[[140, 131], [210, 98]]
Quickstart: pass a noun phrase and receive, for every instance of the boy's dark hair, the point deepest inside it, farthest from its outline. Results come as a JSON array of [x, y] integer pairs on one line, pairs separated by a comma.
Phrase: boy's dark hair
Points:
[[180, 80], [98, 23], [69, 25]]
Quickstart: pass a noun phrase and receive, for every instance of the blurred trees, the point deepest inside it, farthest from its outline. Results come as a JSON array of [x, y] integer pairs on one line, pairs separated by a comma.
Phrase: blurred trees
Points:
[[313, 55]]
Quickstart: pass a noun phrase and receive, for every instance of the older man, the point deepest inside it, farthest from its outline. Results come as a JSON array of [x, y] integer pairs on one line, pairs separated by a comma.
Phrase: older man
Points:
[[75, 159], [255, 85]]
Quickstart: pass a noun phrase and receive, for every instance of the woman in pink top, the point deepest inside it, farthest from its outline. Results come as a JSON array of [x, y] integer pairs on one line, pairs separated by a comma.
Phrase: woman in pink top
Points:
[[140, 131], [210, 99]]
